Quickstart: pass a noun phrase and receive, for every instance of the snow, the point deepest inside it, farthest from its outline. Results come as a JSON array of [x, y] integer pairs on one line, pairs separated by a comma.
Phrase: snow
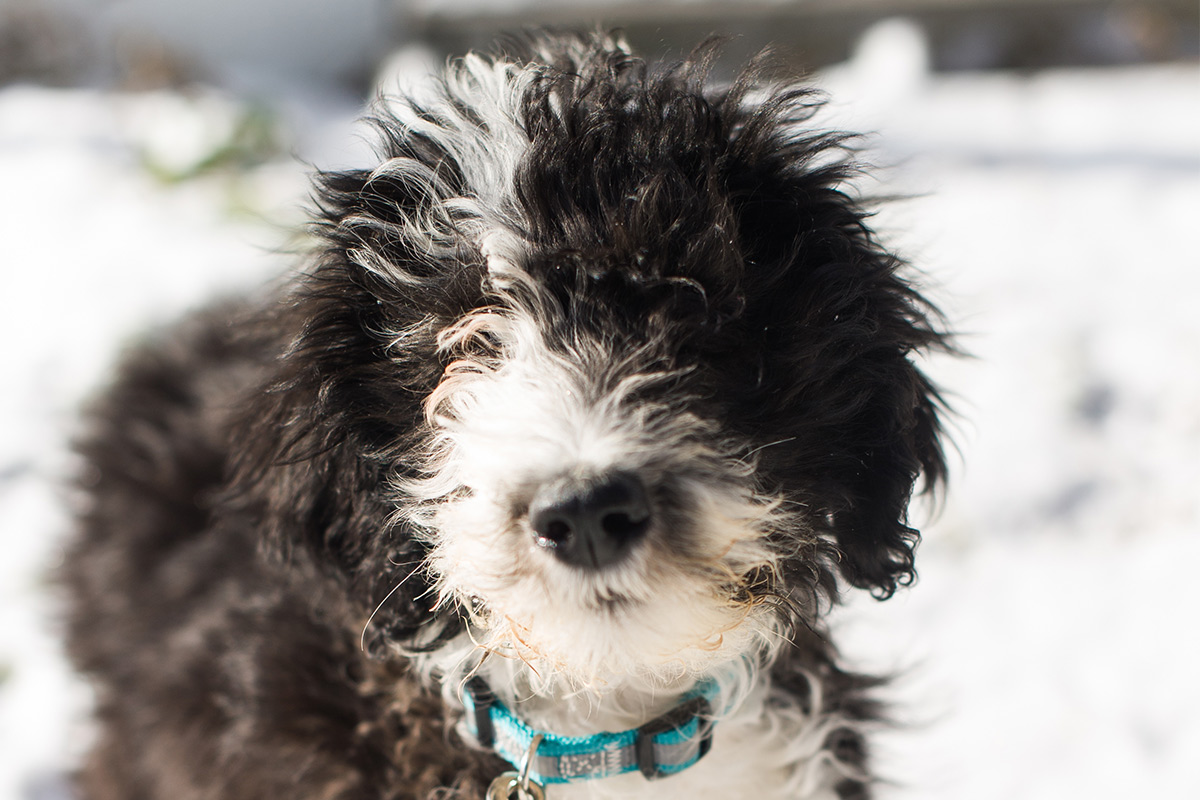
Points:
[[1049, 649]]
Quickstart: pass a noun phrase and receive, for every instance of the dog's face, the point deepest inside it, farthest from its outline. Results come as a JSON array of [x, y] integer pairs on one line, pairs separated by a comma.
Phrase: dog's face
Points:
[[588, 495], [622, 359]]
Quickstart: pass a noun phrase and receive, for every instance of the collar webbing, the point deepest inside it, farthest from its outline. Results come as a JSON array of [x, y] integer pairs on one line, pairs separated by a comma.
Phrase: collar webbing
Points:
[[663, 746]]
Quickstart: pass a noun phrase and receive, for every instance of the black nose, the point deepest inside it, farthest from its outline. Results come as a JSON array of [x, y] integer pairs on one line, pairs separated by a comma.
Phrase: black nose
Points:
[[590, 523]]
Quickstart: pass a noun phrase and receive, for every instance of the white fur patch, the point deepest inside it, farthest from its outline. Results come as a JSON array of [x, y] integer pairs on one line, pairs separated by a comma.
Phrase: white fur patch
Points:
[[474, 115]]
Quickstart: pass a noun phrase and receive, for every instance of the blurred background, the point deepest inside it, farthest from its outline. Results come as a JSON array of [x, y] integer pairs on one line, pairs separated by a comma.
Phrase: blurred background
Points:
[[1048, 153]]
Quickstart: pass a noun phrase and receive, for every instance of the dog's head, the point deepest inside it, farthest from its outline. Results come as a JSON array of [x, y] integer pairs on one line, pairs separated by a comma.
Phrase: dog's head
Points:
[[606, 362]]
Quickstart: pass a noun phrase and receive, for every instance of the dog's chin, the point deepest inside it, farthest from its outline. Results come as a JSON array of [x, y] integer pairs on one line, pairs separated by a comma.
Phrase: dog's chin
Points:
[[661, 609], [597, 640]]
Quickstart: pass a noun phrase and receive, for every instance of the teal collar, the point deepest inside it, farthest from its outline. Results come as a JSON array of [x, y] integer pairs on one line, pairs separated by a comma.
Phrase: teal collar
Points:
[[663, 746]]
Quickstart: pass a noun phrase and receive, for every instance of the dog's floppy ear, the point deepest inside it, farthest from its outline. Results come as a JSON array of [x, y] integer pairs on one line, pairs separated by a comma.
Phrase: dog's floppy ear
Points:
[[322, 446], [313, 454], [837, 327], [893, 441]]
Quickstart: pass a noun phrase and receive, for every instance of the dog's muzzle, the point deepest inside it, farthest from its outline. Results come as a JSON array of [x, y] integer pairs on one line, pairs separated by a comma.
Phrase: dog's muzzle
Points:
[[591, 522]]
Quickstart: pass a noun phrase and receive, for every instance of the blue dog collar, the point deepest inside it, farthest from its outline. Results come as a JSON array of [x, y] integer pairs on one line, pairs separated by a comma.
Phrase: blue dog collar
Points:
[[663, 746]]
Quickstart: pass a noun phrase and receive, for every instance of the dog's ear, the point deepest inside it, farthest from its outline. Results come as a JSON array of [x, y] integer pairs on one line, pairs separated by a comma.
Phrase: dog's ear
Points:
[[341, 423], [313, 454], [890, 443], [338, 424], [838, 328]]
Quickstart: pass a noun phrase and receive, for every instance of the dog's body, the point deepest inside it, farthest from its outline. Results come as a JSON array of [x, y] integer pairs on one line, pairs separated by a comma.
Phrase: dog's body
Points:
[[596, 387]]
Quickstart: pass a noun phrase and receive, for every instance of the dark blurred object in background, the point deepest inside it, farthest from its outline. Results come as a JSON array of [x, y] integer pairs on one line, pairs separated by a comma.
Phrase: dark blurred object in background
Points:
[[249, 46], [253, 46], [962, 34], [40, 43]]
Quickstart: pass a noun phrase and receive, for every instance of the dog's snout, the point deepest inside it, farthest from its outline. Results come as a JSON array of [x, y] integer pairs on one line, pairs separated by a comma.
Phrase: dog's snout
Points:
[[590, 523]]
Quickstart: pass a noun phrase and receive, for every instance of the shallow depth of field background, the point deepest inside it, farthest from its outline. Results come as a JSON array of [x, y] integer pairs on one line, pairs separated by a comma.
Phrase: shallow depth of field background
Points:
[[153, 155]]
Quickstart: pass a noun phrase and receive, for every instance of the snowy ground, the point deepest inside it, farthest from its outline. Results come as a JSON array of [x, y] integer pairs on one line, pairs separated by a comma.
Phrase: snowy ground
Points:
[[1050, 649]]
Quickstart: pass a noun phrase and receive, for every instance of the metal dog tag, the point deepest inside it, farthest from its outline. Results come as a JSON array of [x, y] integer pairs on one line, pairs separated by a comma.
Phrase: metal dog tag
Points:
[[508, 787]]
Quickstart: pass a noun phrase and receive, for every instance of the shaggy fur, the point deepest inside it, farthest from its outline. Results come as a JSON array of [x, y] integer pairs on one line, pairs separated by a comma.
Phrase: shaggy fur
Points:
[[310, 519]]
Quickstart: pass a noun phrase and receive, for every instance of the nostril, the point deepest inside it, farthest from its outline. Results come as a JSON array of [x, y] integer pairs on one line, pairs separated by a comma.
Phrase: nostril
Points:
[[552, 532], [622, 525]]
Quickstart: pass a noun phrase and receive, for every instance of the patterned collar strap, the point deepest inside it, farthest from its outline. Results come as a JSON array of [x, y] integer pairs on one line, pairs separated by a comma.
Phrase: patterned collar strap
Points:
[[663, 746]]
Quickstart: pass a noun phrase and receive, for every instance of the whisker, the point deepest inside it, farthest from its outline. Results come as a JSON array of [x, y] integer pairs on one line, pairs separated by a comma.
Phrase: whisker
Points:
[[762, 447], [362, 640]]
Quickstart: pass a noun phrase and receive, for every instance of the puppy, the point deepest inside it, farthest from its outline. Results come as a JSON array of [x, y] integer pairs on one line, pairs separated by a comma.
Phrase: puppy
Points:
[[538, 482]]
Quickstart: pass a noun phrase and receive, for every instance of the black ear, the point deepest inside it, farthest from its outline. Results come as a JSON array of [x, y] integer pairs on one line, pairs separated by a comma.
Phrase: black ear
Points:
[[861, 422], [895, 441], [838, 327], [319, 449], [314, 452], [342, 419]]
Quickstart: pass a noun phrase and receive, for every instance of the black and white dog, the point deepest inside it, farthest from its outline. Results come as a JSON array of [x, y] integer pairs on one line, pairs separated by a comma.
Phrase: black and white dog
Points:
[[596, 392]]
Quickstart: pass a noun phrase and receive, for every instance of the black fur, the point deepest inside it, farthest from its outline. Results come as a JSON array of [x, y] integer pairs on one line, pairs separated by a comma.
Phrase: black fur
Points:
[[239, 529]]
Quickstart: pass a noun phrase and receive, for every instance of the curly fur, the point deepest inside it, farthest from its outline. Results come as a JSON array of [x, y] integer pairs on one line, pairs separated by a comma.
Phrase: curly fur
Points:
[[307, 517]]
